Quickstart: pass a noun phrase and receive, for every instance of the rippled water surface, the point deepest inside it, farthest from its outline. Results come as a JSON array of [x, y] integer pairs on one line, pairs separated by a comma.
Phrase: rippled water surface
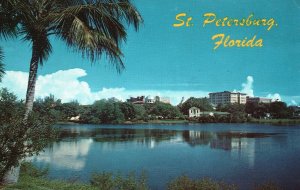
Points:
[[243, 154]]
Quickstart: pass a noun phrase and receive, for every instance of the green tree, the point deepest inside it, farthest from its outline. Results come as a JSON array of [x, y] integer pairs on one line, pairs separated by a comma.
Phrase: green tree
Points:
[[202, 103], [87, 115], [128, 110], [162, 109], [280, 110], [257, 110], [111, 113], [9, 106], [140, 112], [90, 27], [70, 109], [48, 107], [104, 111], [96, 111], [237, 112]]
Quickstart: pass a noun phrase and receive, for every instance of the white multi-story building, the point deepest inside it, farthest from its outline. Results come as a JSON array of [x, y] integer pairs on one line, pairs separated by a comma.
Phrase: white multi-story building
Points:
[[165, 100], [227, 97]]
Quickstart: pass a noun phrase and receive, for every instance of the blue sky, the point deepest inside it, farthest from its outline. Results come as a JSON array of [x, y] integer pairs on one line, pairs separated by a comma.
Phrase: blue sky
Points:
[[176, 62]]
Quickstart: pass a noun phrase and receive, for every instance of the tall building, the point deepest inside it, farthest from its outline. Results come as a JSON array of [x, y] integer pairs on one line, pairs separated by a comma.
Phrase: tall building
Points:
[[148, 100], [259, 100], [227, 97], [137, 100], [165, 100]]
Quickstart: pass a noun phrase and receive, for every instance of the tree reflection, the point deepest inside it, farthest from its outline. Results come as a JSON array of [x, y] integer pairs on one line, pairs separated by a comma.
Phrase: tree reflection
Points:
[[226, 140], [114, 135], [222, 140]]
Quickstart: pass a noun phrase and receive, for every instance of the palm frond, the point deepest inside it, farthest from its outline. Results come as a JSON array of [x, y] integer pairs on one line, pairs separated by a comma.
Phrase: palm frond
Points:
[[92, 27], [86, 25], [93, 17], [92, 44], [8, 20], [125, 10]]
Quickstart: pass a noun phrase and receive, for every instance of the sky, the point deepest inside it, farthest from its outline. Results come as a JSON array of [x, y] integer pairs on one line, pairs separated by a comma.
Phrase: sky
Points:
[[175, 62]]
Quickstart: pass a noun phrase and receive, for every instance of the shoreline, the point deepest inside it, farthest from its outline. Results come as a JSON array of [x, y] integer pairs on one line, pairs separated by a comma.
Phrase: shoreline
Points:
[[290, 122]]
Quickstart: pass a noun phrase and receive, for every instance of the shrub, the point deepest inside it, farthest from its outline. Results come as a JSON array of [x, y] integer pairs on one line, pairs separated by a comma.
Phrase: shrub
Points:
[[185, 183], [267, 186], [106, 181], [19, 139], [28, 169]]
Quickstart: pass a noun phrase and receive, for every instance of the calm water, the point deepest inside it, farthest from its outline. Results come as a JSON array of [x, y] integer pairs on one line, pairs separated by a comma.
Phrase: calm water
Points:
[[236, 153]]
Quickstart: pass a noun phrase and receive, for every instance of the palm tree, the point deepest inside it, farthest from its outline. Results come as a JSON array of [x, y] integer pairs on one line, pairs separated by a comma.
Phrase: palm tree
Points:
[[1, 65], [91, 27]]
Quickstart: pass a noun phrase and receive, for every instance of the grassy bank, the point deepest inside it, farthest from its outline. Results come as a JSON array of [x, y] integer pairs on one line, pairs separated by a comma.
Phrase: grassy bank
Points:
[[32, 178], [167, 121], [261, 121]]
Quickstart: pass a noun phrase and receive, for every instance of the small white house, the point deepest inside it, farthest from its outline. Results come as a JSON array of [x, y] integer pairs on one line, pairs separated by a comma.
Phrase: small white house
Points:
[[76, 118], [194, 112]]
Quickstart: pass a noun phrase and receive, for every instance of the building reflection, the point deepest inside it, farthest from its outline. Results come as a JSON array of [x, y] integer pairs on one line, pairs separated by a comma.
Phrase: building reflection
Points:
[[225, 140], [240, 144]]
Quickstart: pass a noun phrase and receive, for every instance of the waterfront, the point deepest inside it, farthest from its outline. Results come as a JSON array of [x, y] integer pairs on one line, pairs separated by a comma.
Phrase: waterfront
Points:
[[243, 154]]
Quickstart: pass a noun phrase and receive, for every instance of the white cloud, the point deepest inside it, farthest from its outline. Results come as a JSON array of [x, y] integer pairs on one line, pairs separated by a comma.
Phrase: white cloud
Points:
[[294, 103], [65, 85], [15, 81], [274, 97], [248, 87], [75, 152]]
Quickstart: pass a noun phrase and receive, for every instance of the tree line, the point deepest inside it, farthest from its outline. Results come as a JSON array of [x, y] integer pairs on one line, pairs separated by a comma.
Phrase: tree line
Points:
[[112, 111]]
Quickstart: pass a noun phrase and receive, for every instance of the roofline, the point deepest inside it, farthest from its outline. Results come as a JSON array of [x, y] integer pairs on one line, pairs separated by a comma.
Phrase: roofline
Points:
[[228, 92]]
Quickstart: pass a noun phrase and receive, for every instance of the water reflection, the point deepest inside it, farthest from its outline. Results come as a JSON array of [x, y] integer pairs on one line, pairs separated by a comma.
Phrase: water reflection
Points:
[[67, 154], [148, 137], [226, 140], [167, 151], [222, 140], [240, 144], [239, 154], [71, 150]]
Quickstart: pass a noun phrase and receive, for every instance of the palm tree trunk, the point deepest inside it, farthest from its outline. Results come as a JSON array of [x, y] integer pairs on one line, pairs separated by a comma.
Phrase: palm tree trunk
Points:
[[31, 82]]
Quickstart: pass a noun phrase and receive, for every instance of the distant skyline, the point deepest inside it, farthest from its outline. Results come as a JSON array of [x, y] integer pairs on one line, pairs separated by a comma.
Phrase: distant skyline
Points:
[[175, 62]]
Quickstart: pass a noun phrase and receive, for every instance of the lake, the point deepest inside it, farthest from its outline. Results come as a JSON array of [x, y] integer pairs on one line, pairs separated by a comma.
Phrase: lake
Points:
[[243, 154]]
